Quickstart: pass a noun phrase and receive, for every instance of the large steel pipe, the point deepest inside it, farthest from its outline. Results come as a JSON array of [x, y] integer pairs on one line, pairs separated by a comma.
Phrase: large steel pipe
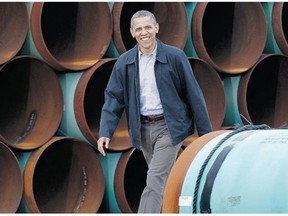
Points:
[[176, 177], [69, 35], [230, 36], [31, 103], [263, 92], [63, 176], [84, 98], [279, 25], [213, 91], [172, 31], [11, 186], [242, 171], [14, 26]]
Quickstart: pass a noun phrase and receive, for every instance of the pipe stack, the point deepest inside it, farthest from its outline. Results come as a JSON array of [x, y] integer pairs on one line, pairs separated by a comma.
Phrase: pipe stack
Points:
[[56, 60]]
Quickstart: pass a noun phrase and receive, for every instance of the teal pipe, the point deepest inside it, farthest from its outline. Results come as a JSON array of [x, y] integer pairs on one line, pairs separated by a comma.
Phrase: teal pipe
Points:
[[250, 179], [232, 115], [189, 48], [271, 45]]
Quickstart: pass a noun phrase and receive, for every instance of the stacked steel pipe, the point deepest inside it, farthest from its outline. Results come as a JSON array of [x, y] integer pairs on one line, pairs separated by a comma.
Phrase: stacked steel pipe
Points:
[[56, 60]]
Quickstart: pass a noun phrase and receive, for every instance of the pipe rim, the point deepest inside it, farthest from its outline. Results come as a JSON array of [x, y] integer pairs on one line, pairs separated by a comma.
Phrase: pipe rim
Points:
[[29, 173], [38, 111], [67, 61], [242, 62]]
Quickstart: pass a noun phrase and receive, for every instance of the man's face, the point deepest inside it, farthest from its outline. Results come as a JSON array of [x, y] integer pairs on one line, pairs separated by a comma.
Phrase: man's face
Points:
[[144, 31]]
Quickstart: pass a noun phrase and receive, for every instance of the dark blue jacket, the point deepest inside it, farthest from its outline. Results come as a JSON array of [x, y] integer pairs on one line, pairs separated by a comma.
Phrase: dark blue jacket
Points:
[[181, 97]]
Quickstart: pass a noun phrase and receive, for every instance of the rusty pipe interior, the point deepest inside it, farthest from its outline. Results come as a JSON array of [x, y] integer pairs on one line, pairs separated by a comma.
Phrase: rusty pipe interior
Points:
[[230, 36], [31, 103], [63, 176], [71, 36], [14, 27], [88, 102], [172, 31], [262, 92], [11, 186]]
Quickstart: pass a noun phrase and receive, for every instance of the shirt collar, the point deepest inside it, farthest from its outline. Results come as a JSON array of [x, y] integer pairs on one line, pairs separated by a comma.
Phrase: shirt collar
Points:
[[153, 52]]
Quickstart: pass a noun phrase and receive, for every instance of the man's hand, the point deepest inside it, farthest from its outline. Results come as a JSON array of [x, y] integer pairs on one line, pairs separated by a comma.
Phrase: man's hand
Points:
[[101, 142]]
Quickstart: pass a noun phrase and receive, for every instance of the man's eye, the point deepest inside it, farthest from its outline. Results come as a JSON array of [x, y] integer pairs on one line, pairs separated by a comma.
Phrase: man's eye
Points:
[[138, 30]]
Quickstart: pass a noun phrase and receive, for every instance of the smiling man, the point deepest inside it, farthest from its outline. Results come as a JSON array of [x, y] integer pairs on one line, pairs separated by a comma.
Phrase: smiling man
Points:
[[154, 84]]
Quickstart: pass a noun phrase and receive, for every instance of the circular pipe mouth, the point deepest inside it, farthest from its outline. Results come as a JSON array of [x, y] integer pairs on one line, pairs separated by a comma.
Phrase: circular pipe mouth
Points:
[[63, 176], [11, 186], [71, 36], [31, 103], [130, 180], [172, 31], [88, 102], [279, 25], [223, 33], [14, 27], [176, 177], [262, 92]]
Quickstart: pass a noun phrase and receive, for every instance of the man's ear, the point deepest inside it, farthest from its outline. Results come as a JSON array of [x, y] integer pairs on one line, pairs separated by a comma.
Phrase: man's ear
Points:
[[157, 27], [131, 31]]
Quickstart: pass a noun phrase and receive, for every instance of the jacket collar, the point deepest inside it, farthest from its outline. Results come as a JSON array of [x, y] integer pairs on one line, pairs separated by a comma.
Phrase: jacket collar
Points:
[[161, 57]]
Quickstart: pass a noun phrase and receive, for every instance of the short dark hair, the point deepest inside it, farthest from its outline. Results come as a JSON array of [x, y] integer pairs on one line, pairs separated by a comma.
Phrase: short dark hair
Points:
[[143, 13]]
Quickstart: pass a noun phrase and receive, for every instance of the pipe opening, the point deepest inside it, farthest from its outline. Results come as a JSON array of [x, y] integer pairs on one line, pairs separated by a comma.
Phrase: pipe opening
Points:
[[172, 31], [266, 94], [31, 103], [72, 35], [88, 110], [14, 26], [11, 186], [223, 39], [67, 178]]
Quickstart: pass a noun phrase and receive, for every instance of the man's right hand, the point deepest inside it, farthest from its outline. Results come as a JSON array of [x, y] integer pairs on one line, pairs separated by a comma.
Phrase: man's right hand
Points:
[[101, 142]]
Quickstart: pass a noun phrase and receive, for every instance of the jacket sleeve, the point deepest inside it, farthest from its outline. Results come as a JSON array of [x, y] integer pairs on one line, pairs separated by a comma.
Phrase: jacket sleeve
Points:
[[194, 96], [113, 106]]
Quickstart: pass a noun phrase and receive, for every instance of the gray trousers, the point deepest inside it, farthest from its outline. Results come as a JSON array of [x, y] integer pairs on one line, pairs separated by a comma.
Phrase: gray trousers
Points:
[[160, 156]]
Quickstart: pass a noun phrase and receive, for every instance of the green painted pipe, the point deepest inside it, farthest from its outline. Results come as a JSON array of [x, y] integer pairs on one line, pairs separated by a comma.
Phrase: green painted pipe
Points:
[[189, 48], [31, 103], [271, 44], [14, 27], [245, 174], [68, 35], [83, 99], [232, 115], [62, 176], [11, 186]]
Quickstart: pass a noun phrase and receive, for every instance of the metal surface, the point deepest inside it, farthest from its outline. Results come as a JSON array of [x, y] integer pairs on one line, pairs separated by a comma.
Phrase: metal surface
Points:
[[11, 186], [175, 179], [262, 92], [71, 35], [14, 26], [63, 176], [31, 103], [224, 33], [250, 179], [279, 25], [172, 31], [84, 98]]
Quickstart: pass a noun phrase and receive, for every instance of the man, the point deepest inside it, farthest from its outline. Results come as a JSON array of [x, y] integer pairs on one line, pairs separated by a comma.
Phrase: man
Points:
[[155, 85]]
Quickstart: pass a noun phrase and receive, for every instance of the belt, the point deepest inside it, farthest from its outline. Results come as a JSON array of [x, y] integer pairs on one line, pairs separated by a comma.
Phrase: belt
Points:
[[152, 118]]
